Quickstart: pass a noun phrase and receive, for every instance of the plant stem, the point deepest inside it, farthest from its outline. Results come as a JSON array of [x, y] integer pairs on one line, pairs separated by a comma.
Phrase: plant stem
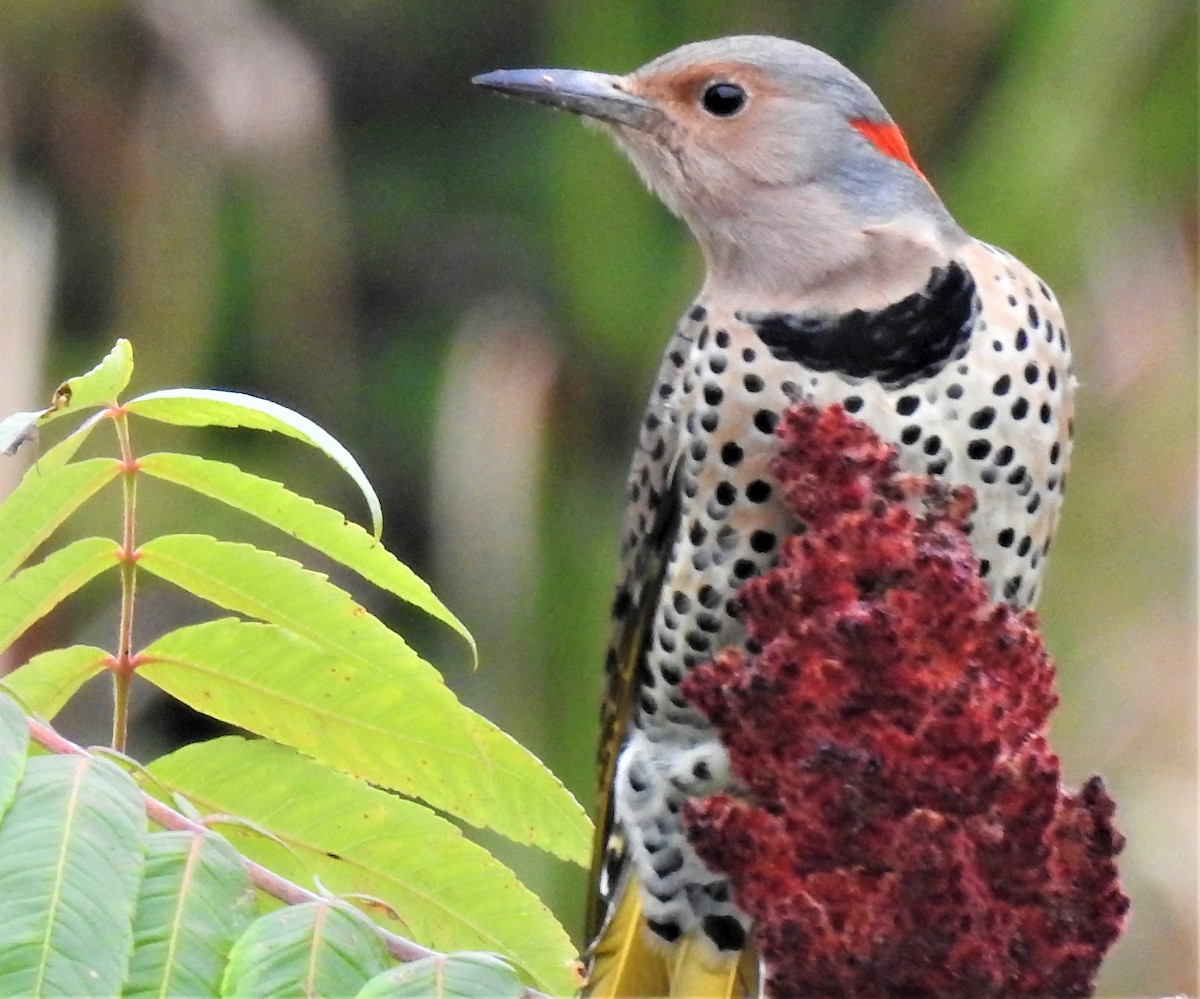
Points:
[[264, 878], [122, 669]]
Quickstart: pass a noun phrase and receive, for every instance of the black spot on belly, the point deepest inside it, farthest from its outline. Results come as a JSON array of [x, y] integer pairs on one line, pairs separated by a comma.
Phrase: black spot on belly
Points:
[[765, 421], [668, 863], [909, 339], [637, 780], [725, 932], [758, 491], [669, 931]]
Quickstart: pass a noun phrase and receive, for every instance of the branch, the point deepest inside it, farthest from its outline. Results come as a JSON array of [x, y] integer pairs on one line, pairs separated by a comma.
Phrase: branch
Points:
[[266, 880]]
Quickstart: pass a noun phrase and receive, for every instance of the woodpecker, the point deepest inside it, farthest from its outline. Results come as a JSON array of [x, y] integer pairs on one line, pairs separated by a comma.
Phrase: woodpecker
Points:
[[833, 274]]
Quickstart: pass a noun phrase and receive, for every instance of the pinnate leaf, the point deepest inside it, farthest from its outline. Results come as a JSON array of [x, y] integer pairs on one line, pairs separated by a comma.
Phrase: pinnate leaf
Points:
[[463, 975], [215, 408], [34, 592], [43, 499], [450, 893], [65, 449], [323, 528], [14, 742], [48, 680], [195, 900], [70, 862], [349, 693], [310, 949], [99, 387]]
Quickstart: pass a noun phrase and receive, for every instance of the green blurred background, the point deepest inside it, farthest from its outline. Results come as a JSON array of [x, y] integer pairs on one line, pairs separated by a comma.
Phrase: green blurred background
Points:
[[307, 200]]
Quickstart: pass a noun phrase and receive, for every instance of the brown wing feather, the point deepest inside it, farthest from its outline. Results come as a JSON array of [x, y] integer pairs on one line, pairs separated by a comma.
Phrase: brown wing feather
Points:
[[628, 642]]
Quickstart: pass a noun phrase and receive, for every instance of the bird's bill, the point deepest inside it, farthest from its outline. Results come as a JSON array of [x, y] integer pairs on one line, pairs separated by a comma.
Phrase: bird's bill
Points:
[[593, 95]]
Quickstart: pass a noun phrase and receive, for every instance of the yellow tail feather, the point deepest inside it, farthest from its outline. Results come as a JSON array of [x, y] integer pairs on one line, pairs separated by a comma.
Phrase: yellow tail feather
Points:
[[698, 973], [628, 964], [625, 963]]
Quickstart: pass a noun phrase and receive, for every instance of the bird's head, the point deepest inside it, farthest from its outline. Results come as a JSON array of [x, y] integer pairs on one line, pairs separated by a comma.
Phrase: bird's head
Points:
[[783, 163]]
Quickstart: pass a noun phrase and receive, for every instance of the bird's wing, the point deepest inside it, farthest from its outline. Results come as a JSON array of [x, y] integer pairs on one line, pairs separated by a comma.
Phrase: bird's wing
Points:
[[640, 586]]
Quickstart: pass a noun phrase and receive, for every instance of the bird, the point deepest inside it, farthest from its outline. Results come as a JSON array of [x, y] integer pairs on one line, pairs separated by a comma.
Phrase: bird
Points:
[[833, 274]]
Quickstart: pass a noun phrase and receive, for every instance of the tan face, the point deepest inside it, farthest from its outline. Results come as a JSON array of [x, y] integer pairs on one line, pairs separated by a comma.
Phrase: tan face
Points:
[[716, 100], [727, 129]]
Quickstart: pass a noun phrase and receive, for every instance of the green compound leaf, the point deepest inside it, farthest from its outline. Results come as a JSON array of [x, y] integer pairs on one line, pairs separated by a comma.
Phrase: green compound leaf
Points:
[[311, 949], [14, 744], [464, 975], [450, 893], [323, 528], [65, 449], [412, 734], [393, 723], [99, 387], [211, 407], [70, 863], [196, 899], [32, 593], [43, 499], [48, 680]]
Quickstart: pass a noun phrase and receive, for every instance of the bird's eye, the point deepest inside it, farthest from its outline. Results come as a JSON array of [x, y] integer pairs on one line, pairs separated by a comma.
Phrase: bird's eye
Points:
[[723, 99]]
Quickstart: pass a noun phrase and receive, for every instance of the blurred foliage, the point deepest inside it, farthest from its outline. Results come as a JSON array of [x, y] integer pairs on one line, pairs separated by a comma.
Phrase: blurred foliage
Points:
[[308, 200]]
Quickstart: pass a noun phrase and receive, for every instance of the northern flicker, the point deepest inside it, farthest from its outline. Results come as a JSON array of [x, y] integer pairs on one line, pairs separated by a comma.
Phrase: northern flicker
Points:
[[834, 274]]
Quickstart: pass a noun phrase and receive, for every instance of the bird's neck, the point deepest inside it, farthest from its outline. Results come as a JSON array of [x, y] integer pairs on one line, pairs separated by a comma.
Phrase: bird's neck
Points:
[[812, 255]]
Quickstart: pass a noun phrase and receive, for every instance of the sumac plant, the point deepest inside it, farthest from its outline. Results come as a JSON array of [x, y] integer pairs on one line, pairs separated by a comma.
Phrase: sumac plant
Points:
[[310, 858]]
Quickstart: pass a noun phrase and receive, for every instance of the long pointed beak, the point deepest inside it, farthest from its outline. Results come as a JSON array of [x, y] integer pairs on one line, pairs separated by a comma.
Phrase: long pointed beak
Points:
[[594, 95]]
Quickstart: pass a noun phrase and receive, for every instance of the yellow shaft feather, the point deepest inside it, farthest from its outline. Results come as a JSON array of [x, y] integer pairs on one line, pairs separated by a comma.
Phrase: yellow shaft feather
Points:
[[628, 963], [625, 964]]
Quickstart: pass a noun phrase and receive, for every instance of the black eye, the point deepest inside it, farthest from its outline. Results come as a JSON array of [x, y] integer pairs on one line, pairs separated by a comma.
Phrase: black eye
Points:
[[723, 99]]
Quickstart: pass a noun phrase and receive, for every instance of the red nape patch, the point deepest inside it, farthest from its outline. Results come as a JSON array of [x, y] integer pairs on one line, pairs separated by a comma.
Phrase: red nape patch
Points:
[[901, 827], [889, 140]]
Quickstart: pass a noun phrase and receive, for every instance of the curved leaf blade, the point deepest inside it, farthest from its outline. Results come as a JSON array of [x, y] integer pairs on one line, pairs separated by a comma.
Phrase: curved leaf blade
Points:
[[48, 680], [99, 387], [32, 593], [70, 862], [451, 893], [319, 526], [196, 899], [43, 499], [451, 976], [311, 949], [65, 449], [478, 772], [405, 731], [212, 407], [14, 745]]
